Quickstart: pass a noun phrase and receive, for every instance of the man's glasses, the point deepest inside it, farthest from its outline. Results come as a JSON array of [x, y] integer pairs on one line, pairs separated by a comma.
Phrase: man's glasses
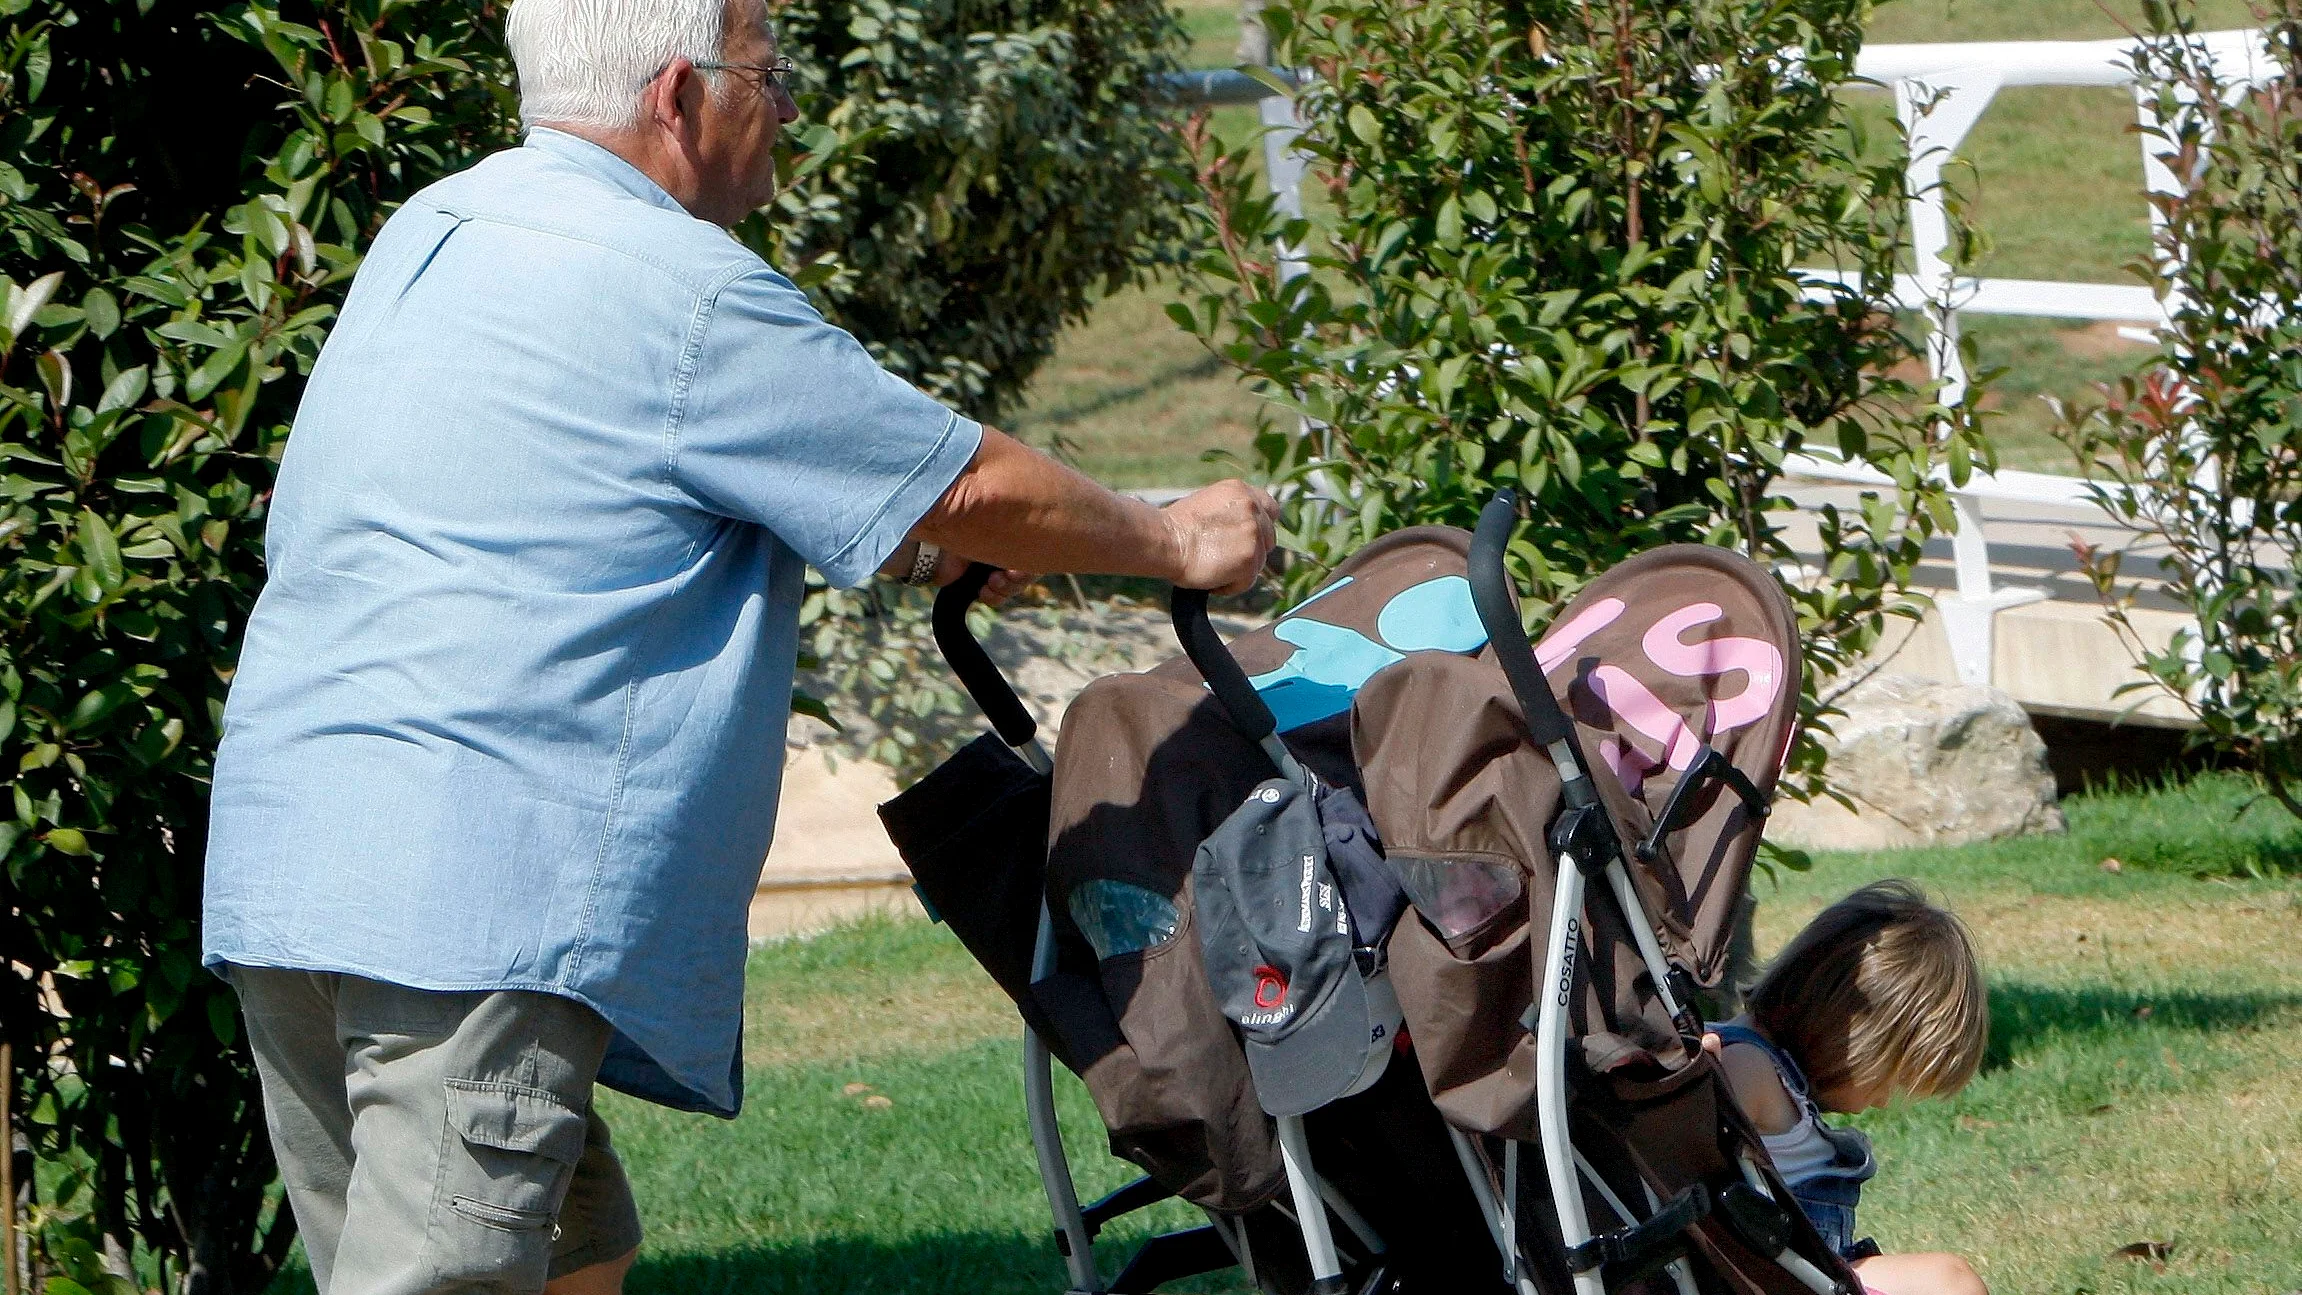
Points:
[[776, 74]]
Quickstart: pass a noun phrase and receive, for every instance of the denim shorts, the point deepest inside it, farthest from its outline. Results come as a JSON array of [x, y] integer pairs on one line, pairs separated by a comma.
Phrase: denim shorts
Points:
[[1828, 1203]]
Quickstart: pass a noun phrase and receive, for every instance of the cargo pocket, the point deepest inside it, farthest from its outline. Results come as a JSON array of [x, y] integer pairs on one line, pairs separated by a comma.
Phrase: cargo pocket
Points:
[[506, 1158]]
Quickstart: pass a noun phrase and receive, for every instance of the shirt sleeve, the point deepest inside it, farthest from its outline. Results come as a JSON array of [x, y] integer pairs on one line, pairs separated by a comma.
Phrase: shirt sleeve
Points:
[[789, 423]]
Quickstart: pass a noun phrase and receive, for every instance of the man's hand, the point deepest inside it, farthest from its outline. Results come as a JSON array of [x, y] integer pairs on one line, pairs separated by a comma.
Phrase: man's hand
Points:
[[1222, 535]]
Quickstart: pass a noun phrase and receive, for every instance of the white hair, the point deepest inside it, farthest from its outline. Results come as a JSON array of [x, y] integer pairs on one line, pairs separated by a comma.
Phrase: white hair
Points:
[[584, 62]]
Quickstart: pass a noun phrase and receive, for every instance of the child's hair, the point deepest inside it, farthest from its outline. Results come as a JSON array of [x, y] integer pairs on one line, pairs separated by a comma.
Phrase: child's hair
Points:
[[1881, 987]]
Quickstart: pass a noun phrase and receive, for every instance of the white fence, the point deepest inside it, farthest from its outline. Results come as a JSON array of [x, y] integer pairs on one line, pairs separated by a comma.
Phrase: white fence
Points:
[[1940, 92]]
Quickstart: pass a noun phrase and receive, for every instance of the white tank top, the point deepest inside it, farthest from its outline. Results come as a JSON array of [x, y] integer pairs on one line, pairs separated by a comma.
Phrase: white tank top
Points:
[[1802, 1152]]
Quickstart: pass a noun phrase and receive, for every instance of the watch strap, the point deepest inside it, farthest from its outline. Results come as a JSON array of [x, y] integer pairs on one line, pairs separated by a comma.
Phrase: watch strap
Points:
[[924, 564]]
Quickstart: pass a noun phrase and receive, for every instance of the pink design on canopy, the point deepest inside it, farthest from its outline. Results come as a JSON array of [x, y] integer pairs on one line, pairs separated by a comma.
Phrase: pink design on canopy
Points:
[[1759, 660], [1642, 710], [1561, 642], [1636, 705]]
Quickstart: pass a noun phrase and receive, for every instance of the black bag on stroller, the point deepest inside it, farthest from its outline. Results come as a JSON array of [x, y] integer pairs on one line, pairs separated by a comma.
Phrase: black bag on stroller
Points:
[[1385, 684]]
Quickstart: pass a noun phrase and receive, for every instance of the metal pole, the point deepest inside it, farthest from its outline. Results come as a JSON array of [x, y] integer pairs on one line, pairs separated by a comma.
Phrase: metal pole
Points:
[[1484, 1190], [1310, 1211], [1039, 1095], [1489, 1211], [1643, 934], [1352, 1219], [1556, 988], [1795, 1264], [1047, 1134]]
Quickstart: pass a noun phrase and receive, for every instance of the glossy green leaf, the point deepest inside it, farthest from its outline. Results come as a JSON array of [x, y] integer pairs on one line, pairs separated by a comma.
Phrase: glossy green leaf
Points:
[[100, 550]]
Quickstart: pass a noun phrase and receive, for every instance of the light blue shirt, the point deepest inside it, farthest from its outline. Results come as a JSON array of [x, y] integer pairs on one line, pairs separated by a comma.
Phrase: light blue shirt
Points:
[[511, 707]]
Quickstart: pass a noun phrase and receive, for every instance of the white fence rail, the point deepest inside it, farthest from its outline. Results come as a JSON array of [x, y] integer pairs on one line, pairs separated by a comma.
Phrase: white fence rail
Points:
[[1940, 92]]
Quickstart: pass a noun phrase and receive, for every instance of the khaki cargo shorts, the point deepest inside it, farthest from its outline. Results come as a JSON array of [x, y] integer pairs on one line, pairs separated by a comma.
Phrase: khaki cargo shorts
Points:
[[436, 1142]]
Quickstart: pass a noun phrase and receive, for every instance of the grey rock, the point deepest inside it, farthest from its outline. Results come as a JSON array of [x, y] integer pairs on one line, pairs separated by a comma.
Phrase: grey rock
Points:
[[1926, 763]]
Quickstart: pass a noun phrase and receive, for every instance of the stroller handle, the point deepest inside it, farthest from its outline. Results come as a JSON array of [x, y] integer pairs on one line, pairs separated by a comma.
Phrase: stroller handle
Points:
[[1218, 667], [1499, 614], [977, 673]]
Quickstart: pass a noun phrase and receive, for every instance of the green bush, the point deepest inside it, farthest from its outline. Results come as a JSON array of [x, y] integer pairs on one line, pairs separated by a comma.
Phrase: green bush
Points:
[[987, 168], [184, 194], [2201, 452], [1004, 162], [1563, 256]]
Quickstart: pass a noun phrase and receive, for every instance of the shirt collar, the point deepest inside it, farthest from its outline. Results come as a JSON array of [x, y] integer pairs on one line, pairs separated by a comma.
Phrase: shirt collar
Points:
[[603, 164]]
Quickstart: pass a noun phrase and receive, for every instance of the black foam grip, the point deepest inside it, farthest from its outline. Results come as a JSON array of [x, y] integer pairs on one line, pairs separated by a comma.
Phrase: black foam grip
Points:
[[1499, 613], [972, 664], [1218, 667]]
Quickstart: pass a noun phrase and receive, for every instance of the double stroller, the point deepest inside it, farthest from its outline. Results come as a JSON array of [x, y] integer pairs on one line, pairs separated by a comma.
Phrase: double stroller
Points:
[[1377, 933]]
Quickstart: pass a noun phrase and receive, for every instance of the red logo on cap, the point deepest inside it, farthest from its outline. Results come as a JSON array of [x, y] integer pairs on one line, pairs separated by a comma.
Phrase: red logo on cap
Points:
[[1270, 987]]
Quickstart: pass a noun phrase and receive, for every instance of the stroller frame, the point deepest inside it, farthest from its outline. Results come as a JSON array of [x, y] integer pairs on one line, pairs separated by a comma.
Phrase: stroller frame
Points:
[[1586, 845], [1584, 841]]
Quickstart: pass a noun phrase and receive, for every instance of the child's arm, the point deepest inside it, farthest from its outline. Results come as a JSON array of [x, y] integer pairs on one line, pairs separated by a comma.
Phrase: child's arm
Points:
[[1758, 1088]]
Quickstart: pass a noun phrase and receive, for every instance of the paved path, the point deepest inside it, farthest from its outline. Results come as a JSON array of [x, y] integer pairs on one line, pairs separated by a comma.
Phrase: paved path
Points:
[[2030, 544]]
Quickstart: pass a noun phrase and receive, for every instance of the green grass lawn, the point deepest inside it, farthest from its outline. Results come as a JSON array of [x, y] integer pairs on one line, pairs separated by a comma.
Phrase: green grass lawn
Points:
[[2056, 184], [1139, 401], [2139, 1087]]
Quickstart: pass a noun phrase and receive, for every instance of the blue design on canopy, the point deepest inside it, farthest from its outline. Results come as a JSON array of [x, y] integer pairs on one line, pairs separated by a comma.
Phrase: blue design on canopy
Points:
[[1332, 662], [1321, 594], [1434, 616], [1325, 672]]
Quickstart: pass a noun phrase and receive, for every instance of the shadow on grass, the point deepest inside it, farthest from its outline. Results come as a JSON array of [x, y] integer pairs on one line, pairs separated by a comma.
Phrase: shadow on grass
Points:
[[982, 1263], [2023, 1017]]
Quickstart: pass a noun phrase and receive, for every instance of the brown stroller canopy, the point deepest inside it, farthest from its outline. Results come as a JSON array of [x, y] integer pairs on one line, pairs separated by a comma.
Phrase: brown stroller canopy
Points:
[[1675, 650], [1382, 682], [1675, 654]]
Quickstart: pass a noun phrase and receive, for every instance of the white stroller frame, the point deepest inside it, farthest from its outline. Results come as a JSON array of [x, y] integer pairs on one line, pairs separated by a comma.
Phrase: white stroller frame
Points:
[[1310, 1192]]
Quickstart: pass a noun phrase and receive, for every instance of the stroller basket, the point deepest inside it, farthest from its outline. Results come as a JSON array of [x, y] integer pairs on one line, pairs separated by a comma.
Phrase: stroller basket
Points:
[[1572, 824]]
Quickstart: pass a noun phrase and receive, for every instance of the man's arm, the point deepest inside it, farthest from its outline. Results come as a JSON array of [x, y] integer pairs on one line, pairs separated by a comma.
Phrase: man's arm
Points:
[[1017, 508]]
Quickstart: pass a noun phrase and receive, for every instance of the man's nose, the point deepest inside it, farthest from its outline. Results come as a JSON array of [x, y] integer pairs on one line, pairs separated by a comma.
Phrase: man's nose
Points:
[[786, 107]]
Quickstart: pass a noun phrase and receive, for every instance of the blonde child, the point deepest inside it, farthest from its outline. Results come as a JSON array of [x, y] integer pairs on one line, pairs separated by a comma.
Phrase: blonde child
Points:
[[1878, 997]]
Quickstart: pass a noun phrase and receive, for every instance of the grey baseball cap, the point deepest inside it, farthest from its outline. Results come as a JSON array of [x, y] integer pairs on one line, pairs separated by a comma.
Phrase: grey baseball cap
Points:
[[1276, 935]]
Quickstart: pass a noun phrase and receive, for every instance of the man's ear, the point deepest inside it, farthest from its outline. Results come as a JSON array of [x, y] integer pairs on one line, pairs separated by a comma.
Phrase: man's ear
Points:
[[672, 99]]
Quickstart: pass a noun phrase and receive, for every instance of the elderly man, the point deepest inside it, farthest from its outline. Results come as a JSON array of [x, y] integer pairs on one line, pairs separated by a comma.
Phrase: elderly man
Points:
[[501, 759]]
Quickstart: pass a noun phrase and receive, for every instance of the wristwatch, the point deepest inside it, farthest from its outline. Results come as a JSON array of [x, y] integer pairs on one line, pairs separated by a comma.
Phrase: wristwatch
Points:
[[924, 565]]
